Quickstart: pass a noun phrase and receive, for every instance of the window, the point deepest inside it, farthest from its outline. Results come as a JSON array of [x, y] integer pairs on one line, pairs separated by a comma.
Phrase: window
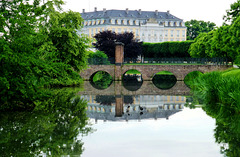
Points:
[[119, 30], [166, 33], [178, 32], [183, 33], [171, 33]]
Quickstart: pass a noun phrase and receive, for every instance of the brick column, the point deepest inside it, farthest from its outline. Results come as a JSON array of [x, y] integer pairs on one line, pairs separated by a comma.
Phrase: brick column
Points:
[[119, 106], [119, 53], [119, 59]]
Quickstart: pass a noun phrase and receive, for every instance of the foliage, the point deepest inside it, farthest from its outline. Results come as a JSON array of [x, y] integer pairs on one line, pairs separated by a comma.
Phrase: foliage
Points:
[[98, 57], [201, 45], [219, 89], [189, 79], [233, 12], [194, 28], [106, 43], [219, 93], [39, 47], [166, 49], [101, 80], [222, 42], [62, 34], [164, 81], [52, 131]]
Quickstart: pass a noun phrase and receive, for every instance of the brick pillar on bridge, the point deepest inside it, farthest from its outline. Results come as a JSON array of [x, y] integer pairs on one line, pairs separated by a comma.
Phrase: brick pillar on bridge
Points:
[[119, 59], [119, 106]]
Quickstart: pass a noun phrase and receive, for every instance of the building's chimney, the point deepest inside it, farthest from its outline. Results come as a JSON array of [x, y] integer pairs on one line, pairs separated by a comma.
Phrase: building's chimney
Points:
[[83, 10], [156, 12], [168, 11], [140, 11], [95, 9], [104, 10], [127, 10]]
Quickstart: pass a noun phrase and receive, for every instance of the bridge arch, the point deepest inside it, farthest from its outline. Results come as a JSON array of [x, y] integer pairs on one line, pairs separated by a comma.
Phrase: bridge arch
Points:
[[164, 80]]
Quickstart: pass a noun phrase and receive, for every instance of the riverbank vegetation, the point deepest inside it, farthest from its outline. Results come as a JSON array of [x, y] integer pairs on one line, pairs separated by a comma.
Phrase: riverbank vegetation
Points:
[[39, 47], [219, 94], [219, 90]]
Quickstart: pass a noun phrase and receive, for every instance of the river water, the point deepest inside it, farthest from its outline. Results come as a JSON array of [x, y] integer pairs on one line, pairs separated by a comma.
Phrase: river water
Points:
[[121, 120], [147, 122]]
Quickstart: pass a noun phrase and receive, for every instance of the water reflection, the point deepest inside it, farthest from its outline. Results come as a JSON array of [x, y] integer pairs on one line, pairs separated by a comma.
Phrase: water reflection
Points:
[[115, 108], [227, 131], [164, 81], [101, 80], [52, 132]]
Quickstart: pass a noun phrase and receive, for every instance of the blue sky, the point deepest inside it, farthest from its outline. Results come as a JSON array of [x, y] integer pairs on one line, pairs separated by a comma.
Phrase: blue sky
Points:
[[207, 10]]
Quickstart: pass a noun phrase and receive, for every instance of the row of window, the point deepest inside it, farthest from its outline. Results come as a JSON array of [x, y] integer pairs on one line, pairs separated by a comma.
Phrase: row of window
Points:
[[173, 33], [130, 22]]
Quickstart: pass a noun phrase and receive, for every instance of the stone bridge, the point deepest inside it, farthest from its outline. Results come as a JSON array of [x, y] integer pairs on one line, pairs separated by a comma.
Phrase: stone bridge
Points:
[[148, 71]]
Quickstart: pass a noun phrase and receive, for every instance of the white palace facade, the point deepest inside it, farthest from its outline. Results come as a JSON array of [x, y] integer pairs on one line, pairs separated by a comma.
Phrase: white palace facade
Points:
[[148, 26]]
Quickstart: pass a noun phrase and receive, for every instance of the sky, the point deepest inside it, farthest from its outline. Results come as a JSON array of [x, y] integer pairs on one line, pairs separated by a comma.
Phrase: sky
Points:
[[206, 10]]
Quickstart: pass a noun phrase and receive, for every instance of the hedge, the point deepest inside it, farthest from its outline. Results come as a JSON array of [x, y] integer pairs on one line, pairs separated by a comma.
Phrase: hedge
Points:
[[173, 49]]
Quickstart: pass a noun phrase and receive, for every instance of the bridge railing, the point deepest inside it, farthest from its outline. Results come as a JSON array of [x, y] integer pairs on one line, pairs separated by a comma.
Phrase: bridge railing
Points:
[[209, 61], [101, 61]]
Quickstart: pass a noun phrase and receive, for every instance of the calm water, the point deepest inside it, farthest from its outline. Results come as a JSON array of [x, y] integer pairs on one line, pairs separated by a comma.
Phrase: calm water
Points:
[[149, 122], [121, 120]]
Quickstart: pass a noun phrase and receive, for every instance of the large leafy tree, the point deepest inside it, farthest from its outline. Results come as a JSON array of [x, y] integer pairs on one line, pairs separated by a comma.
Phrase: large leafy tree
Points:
[[195, 27], [38, 47], [106, 43], [233, 12]]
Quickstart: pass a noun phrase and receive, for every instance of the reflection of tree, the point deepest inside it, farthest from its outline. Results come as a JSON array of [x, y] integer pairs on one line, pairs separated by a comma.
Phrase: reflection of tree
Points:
[[105, 99], [109, 99], [227, 131], [53, 131], [164, 81], [101, 80], [131, 83]]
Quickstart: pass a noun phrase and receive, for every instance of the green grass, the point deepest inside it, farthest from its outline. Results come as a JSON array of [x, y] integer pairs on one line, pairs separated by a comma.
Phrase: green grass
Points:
[[232, 72], [132, 71], [164, 73], [219, 91]]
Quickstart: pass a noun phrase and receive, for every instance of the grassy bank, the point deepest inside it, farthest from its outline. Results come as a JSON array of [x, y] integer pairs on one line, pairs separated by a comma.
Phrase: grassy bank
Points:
[[219, 91]]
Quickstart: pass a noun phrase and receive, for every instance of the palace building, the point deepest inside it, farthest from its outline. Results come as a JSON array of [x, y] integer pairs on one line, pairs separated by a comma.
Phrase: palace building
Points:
[[148, 26]]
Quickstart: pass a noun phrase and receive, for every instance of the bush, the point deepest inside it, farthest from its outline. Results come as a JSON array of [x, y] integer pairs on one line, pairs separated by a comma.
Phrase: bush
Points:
[[176, 49], [98, 58]]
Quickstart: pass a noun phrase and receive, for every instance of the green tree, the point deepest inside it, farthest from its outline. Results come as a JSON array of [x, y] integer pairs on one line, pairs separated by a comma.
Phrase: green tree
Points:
[[33, 53], [201, 46], [106, 43], [233, 12], [195, 27]]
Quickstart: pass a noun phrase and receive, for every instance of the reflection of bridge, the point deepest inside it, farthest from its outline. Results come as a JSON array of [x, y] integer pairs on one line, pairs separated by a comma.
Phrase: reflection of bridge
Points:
[[142, 107], [131, 112], [147, 88]]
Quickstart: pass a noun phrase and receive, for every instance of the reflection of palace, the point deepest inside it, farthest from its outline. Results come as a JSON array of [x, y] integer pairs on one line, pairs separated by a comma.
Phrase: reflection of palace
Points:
[[142, 107]]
